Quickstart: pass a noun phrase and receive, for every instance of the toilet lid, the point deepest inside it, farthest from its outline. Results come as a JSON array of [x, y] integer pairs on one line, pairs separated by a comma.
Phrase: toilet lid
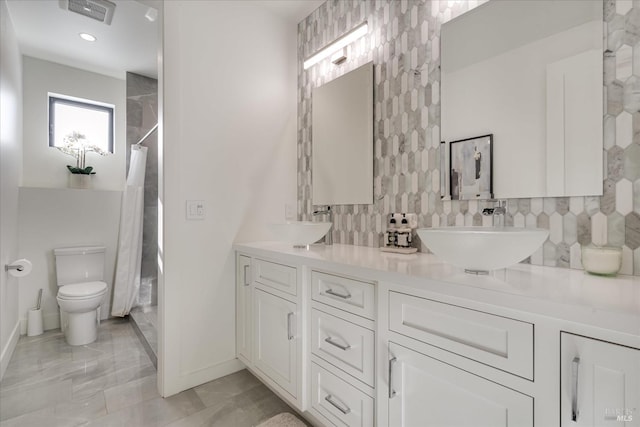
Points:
[[82, 290]]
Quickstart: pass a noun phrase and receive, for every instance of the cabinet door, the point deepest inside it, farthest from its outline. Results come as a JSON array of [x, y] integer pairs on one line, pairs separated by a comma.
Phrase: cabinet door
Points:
[[426, 392], [276, 344], [600, 383], [243, 308]]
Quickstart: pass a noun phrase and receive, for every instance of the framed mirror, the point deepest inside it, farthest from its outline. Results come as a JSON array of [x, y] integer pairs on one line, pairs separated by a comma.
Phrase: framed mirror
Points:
[[531, 74]]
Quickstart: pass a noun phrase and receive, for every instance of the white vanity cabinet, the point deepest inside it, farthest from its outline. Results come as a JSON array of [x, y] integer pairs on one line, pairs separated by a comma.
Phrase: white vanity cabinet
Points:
[[600, 383], [354, 337], [424, 392], [342, 350], [497, 341], [269, 323], [275, 339]]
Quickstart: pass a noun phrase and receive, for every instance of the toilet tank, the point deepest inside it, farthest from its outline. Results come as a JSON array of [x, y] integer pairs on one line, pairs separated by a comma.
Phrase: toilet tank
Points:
[[80, 264]]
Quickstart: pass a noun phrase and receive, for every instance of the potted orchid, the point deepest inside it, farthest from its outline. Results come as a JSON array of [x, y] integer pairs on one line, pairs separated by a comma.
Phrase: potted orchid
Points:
[[77, 146]]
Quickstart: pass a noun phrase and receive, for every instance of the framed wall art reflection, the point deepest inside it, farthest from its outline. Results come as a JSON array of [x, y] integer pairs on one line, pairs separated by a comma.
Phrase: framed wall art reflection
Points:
[[471, 168]]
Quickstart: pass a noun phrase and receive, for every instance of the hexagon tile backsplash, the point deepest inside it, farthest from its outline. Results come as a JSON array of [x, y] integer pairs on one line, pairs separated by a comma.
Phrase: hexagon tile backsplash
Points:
[[404, 43]]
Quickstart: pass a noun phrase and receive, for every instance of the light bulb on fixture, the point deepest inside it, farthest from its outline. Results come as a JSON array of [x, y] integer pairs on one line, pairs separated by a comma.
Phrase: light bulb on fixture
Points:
[[87, 37]]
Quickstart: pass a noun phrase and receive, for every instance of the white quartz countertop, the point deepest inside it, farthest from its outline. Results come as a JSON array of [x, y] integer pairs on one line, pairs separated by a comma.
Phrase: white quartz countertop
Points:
[[572, 295]]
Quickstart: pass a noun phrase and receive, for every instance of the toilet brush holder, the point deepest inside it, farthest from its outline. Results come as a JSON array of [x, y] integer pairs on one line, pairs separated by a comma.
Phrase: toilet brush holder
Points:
[[34, 322]]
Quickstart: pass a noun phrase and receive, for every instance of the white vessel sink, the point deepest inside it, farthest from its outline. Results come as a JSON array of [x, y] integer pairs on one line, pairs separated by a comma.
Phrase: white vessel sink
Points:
[[480, 249], [300, 233]]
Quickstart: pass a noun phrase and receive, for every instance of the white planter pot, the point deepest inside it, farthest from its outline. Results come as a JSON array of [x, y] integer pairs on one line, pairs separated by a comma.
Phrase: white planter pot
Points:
[[79, 180]]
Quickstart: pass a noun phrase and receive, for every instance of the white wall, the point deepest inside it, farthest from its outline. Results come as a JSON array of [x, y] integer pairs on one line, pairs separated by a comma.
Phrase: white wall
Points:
[[10, 165], [55, 218], [230, 140], [45, 166]]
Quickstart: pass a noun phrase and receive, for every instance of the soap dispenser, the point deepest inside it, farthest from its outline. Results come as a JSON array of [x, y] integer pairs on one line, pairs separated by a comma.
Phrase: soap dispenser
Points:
[[398, 237], [403, 234], [391, 236]]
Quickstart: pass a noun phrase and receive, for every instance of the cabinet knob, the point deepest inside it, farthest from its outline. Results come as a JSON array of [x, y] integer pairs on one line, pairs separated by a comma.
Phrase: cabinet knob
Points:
[[336, 294], [575, 364], [392, 392], [289, 327], [246, 275], [345, 410], [335, 344]]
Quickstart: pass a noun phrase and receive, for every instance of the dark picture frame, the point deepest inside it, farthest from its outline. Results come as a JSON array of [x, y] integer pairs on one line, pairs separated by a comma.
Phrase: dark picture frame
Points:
[[471, 168]]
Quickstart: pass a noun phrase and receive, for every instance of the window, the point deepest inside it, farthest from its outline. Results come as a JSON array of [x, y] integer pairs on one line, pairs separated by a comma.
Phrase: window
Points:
[[92, 119]]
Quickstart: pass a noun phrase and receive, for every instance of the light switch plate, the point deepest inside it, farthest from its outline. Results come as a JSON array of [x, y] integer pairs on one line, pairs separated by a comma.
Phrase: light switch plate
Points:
[[195, 209]]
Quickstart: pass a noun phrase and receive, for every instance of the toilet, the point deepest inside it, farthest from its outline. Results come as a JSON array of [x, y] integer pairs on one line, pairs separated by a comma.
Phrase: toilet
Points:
[[81, 289]]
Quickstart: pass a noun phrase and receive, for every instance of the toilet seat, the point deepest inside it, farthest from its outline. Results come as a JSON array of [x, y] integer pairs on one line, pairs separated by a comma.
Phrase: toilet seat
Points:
[[81, 291]]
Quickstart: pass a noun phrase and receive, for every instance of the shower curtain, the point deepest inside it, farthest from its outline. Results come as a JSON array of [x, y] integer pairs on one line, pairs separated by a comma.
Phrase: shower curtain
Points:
[[127, 279]]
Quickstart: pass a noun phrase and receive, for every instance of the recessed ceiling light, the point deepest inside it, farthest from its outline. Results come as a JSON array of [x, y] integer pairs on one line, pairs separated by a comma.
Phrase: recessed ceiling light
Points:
[[88, 37]]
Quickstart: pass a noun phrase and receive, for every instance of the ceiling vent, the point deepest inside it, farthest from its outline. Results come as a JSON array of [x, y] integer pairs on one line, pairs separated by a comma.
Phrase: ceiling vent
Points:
[[100, 10]]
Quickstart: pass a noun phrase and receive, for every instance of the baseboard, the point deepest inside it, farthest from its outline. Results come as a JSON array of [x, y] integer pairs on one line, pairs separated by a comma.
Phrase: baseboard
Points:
[[201, 376], [7, 351]]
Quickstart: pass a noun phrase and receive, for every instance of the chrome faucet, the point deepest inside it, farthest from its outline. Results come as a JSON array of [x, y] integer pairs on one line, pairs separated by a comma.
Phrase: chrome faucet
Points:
[[498, 212], [328, 238]]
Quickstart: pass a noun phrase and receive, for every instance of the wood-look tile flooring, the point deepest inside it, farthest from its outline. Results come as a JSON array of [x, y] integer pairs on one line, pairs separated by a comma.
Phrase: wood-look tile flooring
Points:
[[112, 382]]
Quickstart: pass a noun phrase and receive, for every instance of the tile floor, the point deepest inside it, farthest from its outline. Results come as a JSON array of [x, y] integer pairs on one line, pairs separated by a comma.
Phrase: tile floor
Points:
[[112, 382], [145, 323]]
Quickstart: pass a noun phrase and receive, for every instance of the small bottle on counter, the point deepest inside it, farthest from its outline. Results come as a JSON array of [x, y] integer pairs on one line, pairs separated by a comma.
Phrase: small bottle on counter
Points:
[[391, 236]]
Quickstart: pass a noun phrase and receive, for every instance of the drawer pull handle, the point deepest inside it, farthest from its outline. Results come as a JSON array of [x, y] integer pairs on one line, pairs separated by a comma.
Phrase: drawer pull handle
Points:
[[335, 344], [392, 392], [339, 407], [574, 388], [336, 294], [289, 333], [246, 275]]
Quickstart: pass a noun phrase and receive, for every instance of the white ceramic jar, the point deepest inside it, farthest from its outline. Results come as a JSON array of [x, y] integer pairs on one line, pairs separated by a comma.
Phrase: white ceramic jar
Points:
[[603, 260]]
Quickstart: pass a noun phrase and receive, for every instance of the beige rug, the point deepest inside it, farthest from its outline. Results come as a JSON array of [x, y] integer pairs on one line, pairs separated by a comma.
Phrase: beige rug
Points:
[[284, 419]]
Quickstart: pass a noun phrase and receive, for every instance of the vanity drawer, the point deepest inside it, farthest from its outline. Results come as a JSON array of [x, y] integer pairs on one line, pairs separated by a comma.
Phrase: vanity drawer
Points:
[[277, 276], [350, 295], [343, 344], [338, 401], [501, 342]]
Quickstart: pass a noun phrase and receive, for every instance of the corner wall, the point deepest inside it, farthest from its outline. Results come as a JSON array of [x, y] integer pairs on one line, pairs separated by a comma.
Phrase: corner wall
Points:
[[10, 170], [229, 140]]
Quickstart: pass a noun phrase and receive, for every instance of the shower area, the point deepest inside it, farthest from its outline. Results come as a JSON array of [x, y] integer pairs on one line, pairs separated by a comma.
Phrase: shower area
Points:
[[142, 116]]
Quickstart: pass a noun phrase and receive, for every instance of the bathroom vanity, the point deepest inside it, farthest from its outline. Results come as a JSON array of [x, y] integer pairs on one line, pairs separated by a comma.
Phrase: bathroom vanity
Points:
[[351, 336]]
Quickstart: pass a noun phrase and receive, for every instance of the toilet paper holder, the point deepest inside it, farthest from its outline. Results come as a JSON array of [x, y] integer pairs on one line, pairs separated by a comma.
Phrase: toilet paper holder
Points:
[[18, 267]]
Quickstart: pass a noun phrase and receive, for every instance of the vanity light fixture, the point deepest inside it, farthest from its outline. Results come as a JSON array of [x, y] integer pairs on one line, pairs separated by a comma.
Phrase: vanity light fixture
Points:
[[337, 45], [88, 37]]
